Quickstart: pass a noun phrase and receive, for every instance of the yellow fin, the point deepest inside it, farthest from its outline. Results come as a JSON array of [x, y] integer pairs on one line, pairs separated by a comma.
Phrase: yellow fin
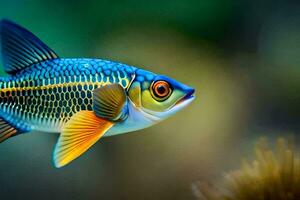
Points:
[[79, 134], [110, 102]]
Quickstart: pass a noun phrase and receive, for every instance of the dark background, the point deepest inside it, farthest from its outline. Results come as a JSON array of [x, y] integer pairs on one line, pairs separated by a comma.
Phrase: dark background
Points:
[[241, 56]]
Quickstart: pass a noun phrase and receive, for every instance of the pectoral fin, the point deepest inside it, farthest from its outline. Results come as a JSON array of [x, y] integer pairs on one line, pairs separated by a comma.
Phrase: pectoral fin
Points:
[[110, 102], [82, 131]]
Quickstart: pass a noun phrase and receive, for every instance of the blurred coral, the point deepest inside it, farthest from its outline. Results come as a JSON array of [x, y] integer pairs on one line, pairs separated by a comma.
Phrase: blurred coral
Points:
[[272, 175]]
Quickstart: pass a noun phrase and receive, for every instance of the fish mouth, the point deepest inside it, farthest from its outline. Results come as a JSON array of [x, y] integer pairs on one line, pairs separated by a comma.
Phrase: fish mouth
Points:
[[189, 96], [181, 103]]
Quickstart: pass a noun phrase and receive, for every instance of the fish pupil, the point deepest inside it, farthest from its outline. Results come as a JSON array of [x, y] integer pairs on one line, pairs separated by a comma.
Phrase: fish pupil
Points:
[[161, 89]]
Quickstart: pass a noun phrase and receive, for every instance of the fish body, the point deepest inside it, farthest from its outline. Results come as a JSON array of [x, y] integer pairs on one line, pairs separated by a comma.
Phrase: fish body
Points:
[[45, 95], [82, 99]]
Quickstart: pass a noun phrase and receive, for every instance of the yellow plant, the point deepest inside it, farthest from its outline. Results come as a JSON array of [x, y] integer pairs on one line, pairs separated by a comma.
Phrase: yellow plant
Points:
[[273, 175]]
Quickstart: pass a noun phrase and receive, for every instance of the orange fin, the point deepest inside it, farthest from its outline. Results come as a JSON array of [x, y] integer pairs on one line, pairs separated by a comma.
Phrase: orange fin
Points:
[[82, 131], [110, 102]]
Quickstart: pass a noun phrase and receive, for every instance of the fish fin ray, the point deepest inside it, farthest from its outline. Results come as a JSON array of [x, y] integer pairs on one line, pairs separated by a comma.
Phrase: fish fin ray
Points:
[[110, 102], [20, 48], [8, 128], [74, 139]]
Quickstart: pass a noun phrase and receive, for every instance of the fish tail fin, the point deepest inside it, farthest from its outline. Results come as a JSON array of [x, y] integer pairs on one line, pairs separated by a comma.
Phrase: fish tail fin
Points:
[[9, 127]]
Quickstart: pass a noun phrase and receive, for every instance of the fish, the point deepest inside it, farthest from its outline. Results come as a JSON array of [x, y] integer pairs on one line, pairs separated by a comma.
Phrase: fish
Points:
[[81, 99]]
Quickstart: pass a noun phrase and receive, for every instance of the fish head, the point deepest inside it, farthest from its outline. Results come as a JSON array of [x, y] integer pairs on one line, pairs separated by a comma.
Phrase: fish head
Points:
[[157, 96]]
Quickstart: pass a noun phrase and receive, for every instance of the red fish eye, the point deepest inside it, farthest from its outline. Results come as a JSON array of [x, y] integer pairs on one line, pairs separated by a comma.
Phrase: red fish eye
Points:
[[161, 89]]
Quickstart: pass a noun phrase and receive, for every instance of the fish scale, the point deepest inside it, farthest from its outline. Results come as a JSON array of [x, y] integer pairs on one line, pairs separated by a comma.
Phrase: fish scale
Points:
[[46, 95], [82, 99]]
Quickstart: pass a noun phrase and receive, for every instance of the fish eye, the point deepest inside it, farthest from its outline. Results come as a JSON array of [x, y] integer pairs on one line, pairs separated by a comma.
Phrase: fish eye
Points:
[[161, 90]]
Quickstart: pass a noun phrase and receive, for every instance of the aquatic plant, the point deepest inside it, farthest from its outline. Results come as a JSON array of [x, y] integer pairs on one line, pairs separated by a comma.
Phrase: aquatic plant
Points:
[[274, 175]]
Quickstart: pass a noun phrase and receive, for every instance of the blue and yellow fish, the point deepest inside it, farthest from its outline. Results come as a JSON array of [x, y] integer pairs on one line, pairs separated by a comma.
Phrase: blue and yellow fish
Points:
[[82, 99]]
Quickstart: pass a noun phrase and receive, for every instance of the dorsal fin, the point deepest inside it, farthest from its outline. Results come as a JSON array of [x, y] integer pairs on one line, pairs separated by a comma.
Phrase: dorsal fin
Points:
[[20, 48]]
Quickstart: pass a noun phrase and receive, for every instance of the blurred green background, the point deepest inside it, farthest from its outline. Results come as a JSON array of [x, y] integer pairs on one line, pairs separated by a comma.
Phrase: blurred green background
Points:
[[241, 56]]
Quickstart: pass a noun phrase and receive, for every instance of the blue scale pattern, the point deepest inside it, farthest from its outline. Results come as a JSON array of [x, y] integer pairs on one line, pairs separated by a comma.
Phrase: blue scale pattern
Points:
[[50, 92]]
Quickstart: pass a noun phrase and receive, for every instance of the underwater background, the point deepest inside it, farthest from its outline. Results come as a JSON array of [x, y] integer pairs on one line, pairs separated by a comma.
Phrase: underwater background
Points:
[[242, 57]]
